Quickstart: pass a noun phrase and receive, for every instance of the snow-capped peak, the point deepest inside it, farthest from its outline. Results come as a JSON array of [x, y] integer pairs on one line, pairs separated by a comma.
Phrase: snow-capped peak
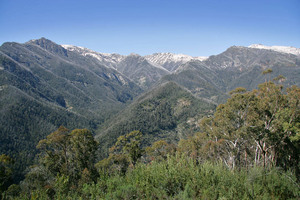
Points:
[[281, 49], [83, 50], [106, 58], [161, 58], [171, 61]]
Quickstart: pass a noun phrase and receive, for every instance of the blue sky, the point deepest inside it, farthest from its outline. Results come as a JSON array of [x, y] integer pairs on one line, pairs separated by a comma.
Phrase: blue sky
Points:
[[193, 27]]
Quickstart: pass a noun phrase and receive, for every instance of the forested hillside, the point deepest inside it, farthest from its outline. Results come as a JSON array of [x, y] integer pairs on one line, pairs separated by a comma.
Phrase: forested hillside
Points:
[[248, 149], [167, 112], [142, 72], [214, 77], [44, 86], [139, 115]]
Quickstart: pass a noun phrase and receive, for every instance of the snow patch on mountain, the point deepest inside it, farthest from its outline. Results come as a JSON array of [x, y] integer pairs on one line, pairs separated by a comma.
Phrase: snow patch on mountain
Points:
[[281, 49], [165, 61], [106, 58], [141, 59], [171, 61], [161, 58]]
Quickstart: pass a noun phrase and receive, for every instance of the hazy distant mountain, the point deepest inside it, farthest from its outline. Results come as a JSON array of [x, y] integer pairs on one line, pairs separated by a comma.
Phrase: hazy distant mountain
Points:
[[171, 61], [136, 67], [168, 61], [200, 80], [167, 112], [141, 71], [242, 67], [214, 77]]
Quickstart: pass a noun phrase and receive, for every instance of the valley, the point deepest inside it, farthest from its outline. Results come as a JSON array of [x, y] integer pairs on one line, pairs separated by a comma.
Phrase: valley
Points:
[[44, 85]]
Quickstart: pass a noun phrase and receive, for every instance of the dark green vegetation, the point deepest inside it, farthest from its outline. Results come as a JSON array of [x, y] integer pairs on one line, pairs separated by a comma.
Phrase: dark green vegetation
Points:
[[25, 121], [44, 86], [167, 112], [247, 150]]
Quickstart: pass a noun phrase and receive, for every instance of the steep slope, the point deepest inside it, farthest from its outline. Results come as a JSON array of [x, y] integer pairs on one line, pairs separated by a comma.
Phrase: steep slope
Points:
[[171, 61], [166, 112], [141, 71], [136, 67], [107, 59], [236, 67], [24, 121], [242, 67], [200, 81], [84, 85], [43, 86]]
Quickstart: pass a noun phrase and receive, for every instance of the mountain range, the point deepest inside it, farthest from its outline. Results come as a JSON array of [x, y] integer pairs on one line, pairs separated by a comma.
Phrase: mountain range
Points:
[[44, 85]]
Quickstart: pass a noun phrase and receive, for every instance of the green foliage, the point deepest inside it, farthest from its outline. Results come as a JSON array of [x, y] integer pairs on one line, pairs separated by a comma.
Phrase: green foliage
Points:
[[180, 177], [5, 172], [126, 152], [279, 78], [82, 155], [24, 121], [129, 144], [259, 127], [55, 148], [267, 71], [66, 163], [159, 151], [114, 164], [173, 173], [238, 90], [12, 192], [200, 147], [167, 112], [42, 86]]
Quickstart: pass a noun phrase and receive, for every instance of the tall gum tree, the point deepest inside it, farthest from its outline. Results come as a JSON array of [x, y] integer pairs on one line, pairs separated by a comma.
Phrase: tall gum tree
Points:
[[259, 127]]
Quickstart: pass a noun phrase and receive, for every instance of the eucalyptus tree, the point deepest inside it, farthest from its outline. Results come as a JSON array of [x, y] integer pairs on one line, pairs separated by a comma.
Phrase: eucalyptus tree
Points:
[[259, 127], [66, 157]]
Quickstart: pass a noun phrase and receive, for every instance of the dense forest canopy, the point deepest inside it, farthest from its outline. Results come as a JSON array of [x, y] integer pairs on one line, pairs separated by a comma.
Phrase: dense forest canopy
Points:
[[247, 150]]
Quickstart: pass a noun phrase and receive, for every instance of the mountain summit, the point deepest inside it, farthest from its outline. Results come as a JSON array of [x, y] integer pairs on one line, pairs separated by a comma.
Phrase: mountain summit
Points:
[[141, 71], [108, 59], [281, 49], [171, 61]]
